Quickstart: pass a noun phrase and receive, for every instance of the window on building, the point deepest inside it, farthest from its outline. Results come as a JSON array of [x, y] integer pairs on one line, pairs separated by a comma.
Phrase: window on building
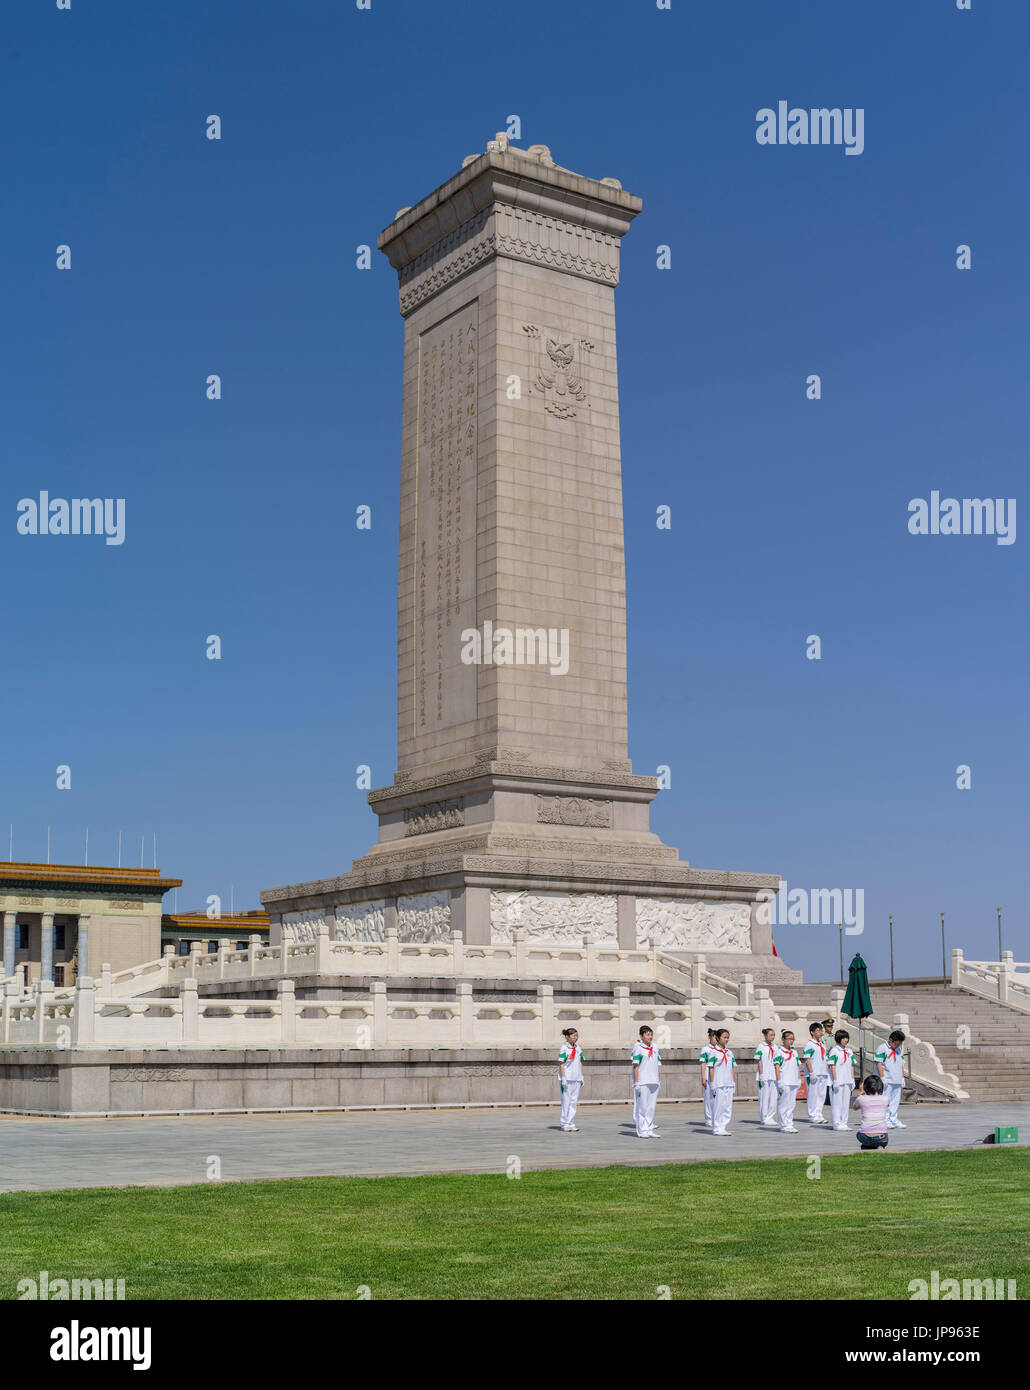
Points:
[[59, 935], [23, 936], [212, 947], [184, 947], [59, 978], [242, 945]]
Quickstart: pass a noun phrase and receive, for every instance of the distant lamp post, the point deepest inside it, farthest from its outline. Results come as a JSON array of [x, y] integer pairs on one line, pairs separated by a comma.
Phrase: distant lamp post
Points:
[[998, 910], [890, 928], [841, 931], [944, 957]]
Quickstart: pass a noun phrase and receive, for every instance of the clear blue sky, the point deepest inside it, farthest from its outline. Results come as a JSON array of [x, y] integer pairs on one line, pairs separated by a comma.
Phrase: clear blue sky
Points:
[[789, 516]]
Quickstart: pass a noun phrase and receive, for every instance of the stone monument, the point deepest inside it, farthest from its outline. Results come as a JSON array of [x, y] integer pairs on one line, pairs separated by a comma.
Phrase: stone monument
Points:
[[514, 803]]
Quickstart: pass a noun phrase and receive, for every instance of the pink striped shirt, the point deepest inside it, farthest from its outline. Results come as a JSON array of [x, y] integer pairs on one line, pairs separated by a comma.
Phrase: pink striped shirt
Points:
[[874, 1113]]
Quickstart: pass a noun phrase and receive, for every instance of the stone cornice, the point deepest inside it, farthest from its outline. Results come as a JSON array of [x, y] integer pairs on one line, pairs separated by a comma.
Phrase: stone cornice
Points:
[[511, 776], [548, 875], [508, 178], [506, 203]]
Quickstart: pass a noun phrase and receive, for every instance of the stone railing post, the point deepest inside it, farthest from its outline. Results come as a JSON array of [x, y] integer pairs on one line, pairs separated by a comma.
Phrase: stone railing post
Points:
[[1003, 984], [546, 996], [224, 951], [83, 1014], [284, 955], [190, 1011], [765, 1009], [697, 974], [194, 960], [252, 960], [105, 981], [288, 1010], [380, 1015], [44, 997], [457, 953], [1008, 960], [322, 950], [622, 1014], [20, 973], [746, 990], [467, 1011], [956, 965], [589, 956], [393, 955], [518, 936], [12, 993]]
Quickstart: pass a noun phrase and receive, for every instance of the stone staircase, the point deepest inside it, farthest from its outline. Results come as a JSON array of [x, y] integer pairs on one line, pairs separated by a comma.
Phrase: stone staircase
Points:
[[996, 1063]]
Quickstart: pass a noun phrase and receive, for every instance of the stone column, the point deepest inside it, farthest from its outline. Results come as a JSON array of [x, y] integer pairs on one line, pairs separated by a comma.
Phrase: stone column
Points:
[[83, 946], [10, 924], [626, 921], [46, 953]]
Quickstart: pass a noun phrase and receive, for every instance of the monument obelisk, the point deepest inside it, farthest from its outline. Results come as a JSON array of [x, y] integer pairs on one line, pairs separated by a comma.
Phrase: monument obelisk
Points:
[[514, 802]]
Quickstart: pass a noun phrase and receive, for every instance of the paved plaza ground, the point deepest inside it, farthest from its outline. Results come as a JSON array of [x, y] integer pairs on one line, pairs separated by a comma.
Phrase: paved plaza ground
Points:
[[38, 1155]]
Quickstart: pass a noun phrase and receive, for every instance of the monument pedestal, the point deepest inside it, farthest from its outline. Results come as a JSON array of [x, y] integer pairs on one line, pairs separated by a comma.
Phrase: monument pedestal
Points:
[[515, 804]]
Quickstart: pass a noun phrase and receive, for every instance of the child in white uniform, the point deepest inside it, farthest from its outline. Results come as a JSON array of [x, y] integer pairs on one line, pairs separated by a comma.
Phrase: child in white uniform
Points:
[[890, 1067], [818, 1074], [788, 1080], [841, 1062], [721, 1065], [765, 1074], [646, 1062], [707, 1089], [570, 1069]]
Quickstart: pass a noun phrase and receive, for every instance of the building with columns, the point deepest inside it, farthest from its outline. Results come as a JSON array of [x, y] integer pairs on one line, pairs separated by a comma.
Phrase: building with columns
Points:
[[61, 921], [181, 929]]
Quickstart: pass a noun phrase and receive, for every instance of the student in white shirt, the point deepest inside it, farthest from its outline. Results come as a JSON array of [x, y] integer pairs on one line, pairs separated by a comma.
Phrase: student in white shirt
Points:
[[646, 1062], [890, 1067], [818, 1074], [706, 1078], [841, 1062], [765, 1074], [721, 1065], [788, 1081], [570, 1069]]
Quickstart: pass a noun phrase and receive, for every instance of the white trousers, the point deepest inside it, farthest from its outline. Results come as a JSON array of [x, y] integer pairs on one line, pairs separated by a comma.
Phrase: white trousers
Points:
[[816, 1096], [723, 1107], [709, 1103], [569, 1101], [840, 1103], [767, 1098], [788, 1098], [645, 1097], [893, 1089]]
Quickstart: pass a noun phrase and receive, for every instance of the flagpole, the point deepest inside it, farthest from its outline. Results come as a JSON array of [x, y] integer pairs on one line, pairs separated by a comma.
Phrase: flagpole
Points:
[[841, 939], [999, 934], [944, 958], [890, 926]]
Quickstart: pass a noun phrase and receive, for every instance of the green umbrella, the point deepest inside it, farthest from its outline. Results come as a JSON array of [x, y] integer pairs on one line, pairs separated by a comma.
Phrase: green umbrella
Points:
[[857, 1003]]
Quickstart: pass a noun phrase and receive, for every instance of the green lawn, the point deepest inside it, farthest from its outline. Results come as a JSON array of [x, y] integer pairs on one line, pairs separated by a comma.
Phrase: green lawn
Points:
[[866, 1227]]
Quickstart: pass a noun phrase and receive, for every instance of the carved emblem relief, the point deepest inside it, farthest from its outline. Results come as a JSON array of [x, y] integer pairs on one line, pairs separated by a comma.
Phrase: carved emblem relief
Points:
[[561, 378], [434, 815], [573, 810]]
